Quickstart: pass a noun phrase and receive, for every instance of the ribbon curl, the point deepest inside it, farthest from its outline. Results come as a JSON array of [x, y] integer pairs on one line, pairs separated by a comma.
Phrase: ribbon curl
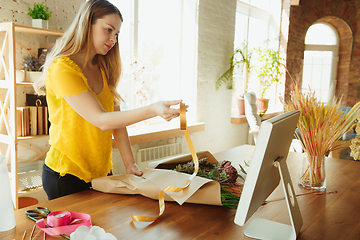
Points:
[[184, 127], [63, 222]]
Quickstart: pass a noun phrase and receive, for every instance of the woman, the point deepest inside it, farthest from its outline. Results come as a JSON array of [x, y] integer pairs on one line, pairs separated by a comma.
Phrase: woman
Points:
[[80, 76]]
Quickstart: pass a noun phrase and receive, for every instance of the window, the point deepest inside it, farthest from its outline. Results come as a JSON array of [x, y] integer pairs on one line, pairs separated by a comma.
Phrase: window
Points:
[[257, 22], [320, 61], [158, 48]]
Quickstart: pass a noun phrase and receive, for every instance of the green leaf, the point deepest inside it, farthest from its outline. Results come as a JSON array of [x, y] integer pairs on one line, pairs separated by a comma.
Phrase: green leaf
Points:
[[242, 169], [214, 174], [39, 11]]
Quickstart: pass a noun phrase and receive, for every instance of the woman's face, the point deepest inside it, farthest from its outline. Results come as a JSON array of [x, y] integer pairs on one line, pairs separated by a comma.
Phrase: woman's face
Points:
[[105, 33]]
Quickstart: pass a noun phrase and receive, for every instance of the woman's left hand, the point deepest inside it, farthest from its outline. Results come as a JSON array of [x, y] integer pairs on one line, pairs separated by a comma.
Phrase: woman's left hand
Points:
[[164, 110], [133, 169]]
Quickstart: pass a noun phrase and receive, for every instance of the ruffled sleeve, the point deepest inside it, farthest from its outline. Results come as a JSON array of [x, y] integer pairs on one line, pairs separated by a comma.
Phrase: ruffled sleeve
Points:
[[65, 78]]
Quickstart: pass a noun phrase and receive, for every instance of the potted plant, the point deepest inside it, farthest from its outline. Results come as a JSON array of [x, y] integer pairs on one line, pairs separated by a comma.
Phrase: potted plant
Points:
[[32, 68], [40, 15], [239, 60], [268, 73]]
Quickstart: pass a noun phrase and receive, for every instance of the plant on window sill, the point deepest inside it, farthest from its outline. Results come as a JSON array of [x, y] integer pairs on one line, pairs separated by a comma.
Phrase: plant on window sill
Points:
[[269, 69], [240, 59]]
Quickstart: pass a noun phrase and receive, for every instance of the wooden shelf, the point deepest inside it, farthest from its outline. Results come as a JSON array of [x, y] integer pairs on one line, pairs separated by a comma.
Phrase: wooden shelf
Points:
[[38, 31], [241, 119], [26, 192], [8, 102], [27, 138], [24, 83]]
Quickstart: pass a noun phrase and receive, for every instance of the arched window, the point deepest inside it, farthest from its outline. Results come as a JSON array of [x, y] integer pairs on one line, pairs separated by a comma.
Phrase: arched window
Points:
[[320, 61]]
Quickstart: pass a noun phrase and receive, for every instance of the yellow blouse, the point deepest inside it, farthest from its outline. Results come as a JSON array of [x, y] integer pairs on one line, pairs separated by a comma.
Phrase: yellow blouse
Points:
[[77, 147]]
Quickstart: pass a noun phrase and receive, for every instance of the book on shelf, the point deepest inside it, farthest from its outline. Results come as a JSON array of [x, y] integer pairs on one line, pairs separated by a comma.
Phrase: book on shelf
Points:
[[43, 121], [40, 122], [32, 121], [19, 114], [26, 120]]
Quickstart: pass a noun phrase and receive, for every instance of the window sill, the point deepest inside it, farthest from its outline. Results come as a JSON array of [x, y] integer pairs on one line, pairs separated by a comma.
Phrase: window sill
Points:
[[240, 119], [148, 133]]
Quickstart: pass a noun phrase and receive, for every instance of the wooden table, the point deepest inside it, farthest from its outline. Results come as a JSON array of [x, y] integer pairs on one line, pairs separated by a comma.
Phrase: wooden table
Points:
[[327, 216]]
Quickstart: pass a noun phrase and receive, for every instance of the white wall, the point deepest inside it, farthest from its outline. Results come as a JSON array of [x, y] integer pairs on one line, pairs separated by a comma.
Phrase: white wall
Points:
[[216, 26]]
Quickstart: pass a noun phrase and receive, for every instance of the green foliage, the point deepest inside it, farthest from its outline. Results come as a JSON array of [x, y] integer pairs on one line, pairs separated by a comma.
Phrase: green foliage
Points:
[[214, 174], [269, 70], [39, 11], [243, 170], [240, 58]]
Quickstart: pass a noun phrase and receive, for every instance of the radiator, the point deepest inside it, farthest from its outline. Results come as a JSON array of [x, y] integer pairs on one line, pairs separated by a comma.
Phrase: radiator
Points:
[[146, 155]]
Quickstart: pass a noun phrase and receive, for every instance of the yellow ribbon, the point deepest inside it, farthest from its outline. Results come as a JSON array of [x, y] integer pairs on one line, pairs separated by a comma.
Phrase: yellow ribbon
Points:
[[183, 126]]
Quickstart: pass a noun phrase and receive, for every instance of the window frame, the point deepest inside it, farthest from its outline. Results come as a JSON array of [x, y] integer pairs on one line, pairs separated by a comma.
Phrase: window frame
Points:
[[335, 58], [273, 25], [188, 53]]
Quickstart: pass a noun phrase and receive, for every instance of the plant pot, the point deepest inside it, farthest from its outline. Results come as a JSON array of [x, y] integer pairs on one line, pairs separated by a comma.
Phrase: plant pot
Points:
[[40, 23], [262, 105], [20, 76], [32, 76], [241, 106]]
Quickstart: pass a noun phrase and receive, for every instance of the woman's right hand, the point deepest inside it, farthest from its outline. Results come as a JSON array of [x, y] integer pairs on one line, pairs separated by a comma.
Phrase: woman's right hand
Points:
[[164, 110]]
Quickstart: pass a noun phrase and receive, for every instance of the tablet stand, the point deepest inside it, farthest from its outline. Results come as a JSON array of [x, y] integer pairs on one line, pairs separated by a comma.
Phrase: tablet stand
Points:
[[265, 229]]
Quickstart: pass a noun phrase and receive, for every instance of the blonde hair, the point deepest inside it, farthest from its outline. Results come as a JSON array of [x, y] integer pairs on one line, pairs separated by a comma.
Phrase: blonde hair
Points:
[[77, 36]]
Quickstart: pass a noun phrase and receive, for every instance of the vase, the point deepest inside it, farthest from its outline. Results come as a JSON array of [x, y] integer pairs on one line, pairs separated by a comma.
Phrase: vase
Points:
[[7, 217], [312, 173], [241, 106], [40, 23], [32, 76], [262, 105], [20, 76]]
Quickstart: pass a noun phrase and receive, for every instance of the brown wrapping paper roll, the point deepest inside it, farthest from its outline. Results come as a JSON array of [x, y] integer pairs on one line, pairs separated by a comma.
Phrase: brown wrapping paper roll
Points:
[[167, 185], [201, 190]]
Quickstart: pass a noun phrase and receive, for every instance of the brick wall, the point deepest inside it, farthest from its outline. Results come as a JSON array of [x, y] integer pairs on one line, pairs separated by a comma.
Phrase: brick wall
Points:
[[63, 12], [343, 16]]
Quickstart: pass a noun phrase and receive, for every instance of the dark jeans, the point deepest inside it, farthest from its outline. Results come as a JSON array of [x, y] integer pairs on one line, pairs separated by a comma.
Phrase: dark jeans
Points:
[[57, 186]]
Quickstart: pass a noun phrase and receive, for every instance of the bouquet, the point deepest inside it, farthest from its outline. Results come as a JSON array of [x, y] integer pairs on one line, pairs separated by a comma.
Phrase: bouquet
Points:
[[224, 173], [320, 126], [216, 183]]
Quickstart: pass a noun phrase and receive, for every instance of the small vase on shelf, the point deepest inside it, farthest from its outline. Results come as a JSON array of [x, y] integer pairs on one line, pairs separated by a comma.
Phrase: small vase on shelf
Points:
[[20, 76], [40, 23], [40, 15], [312, 173], [32, 76]]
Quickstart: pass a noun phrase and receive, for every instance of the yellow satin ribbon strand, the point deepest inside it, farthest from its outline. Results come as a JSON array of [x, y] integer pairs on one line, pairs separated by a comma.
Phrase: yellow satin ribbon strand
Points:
[[183, 126]]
